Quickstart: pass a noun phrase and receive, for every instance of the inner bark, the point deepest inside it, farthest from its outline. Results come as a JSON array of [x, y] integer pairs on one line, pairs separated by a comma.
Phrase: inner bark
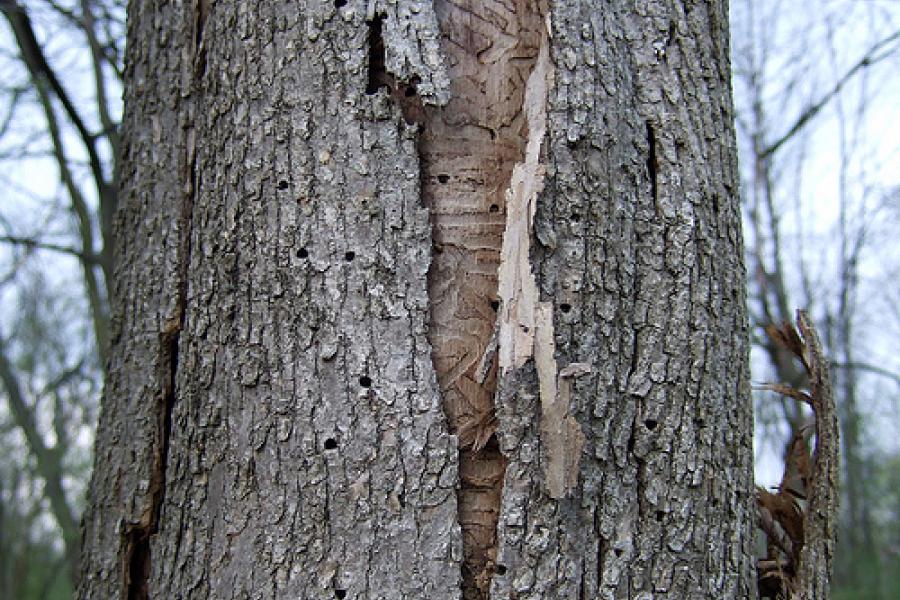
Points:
[[468, 149]]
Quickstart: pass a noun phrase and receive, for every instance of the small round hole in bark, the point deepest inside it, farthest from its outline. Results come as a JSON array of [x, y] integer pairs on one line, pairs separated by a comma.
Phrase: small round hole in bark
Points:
[[617, 551], [650, 424], [410, 91], [339, 594], [443, 178], [494, 208], [659, 515], [302, 253], [565, 307], [331, 444], [501, 569], [338, 4], [349, 255], [575, 217], [495, 305], [365, 381], [283, 185]]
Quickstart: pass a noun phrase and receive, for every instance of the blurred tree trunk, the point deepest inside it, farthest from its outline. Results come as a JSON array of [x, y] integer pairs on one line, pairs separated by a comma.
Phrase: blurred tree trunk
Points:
[[317, 391]]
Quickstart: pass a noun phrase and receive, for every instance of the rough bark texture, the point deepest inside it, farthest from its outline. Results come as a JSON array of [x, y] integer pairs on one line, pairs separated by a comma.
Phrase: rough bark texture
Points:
[[296, 343], [272, 366], [637, 244]]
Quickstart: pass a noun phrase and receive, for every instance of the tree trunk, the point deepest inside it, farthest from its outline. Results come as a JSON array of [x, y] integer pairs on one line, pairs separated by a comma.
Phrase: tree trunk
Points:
[[426, 300]]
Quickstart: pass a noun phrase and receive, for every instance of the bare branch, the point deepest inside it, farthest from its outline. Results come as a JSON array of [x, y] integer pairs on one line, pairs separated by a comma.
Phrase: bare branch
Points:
[[14, 95], [33, 243], [864, 366], [33, 56], [63, 378], [871, 57], [48, 461], [96, 299]]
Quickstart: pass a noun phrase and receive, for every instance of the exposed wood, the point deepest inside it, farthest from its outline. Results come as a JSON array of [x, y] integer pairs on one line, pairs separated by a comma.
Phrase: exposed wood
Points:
[[468, 150]]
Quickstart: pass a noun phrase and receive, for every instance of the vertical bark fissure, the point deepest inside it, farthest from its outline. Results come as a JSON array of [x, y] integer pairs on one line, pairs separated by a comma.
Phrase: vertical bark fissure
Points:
[[378, 76], [138, 536], [652, 161]]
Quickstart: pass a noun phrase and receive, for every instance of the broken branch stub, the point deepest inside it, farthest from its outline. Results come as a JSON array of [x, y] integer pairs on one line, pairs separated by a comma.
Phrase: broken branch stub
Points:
[[800, 541]]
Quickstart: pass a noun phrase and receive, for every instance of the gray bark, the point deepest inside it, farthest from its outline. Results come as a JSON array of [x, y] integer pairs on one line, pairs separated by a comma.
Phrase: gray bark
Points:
[[279, 418]]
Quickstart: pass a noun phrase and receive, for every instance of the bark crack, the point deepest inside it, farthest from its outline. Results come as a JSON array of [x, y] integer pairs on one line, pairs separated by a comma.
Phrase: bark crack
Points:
[[652, 162], [137, 546], [378, 76]]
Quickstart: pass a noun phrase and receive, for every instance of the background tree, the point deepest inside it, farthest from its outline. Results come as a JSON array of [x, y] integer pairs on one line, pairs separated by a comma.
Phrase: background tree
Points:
[[53, 269], [303, 368], [812, 88]]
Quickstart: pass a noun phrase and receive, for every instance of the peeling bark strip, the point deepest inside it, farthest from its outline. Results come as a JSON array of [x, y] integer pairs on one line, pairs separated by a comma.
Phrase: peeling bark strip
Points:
[[561, 434], [517, 288], [526, 325], [469, 149]]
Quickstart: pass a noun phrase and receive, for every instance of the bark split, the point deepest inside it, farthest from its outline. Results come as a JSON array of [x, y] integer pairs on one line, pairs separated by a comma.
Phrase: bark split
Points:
[[137, 536], [480, 176]]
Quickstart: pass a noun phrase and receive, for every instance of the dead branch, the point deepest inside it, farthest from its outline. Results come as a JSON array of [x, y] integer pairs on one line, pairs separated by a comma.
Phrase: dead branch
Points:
[[800, 540]]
